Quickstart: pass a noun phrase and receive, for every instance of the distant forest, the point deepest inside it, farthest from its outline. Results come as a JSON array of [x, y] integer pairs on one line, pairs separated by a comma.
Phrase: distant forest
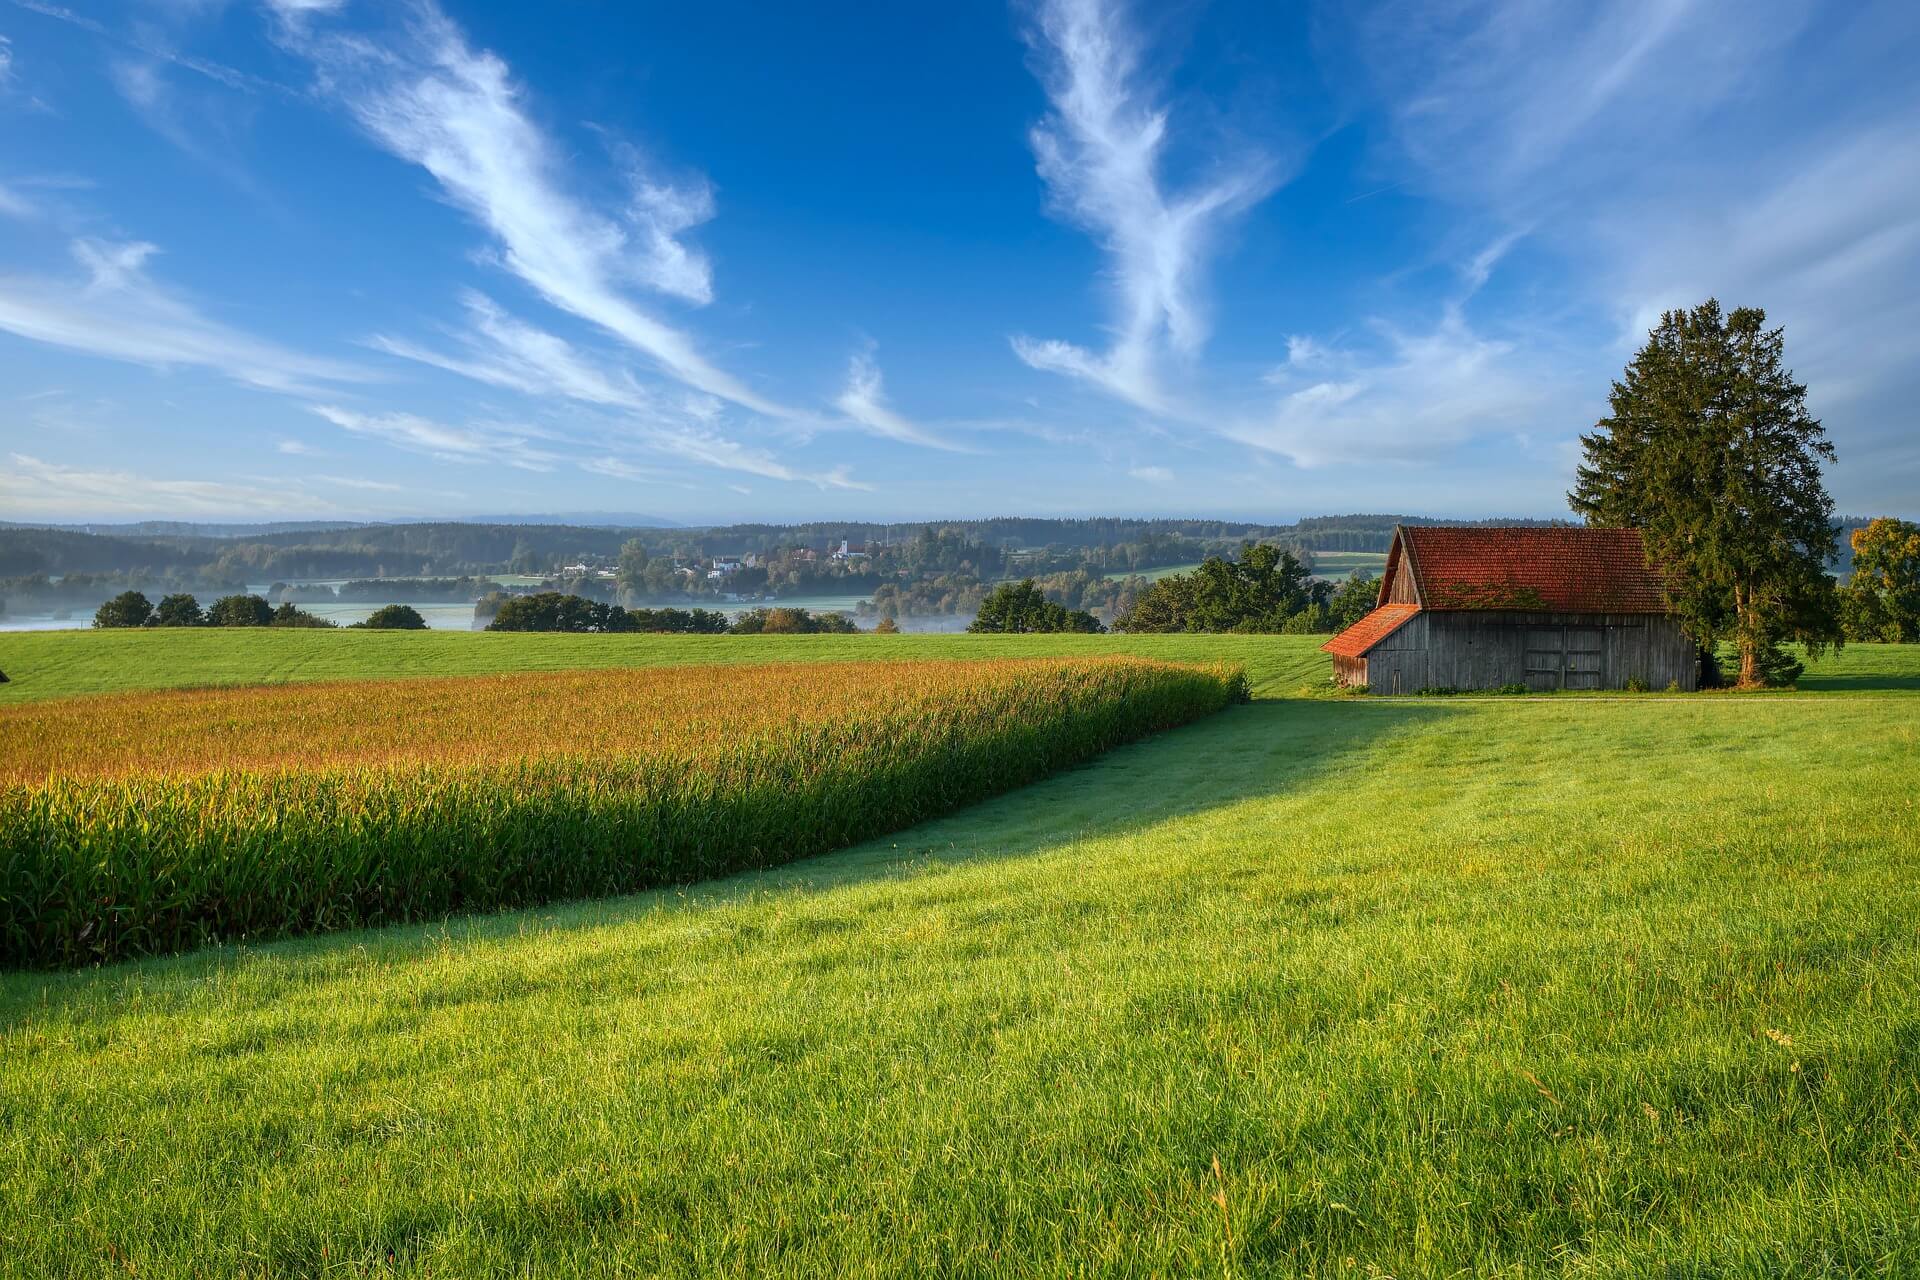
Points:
[[907, 568], [339, 550]]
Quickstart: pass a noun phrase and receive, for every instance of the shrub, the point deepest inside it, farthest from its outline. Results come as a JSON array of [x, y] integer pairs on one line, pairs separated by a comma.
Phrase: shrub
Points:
[[178, 610], [240, 611], [887, 627], [556, 611], [786, 621], [290, 615], [128, 609], [1513, 688], [152, 822], [394, 617], [1309, 621]]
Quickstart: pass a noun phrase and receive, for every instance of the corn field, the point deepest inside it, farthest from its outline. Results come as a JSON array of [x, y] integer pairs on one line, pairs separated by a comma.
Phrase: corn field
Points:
[[149, 823]]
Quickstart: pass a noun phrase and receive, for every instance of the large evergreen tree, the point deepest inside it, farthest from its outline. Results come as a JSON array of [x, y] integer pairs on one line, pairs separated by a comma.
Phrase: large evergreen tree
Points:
[[1709, 449]]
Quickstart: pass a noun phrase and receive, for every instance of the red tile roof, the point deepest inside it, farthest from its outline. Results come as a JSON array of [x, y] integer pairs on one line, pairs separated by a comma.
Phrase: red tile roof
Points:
[[1370, 630], [1544, 569]]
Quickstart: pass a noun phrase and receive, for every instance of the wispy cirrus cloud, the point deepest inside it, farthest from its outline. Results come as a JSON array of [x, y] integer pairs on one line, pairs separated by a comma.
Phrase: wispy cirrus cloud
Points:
[[471, 443], [865, 401], [503, 351], [359, 482], [692, 442], [1666, 151], [116, 310], [430, 98], [1401, 398], [1100, 151], [145, 38], [32, 487], [200, 125]]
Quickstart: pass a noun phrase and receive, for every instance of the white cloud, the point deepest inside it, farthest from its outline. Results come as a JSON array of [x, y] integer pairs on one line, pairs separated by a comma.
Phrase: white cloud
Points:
[[355, 482], [620, 469], [1152, 475], [6, 61], [118, 312], [1666, 152], [297, 448], [1100, 153], [1420, 397], [197, 124], [430, 99], [504, 351], [144, 38], [471, 443], [865, 401], [698, 444], [31, 487]]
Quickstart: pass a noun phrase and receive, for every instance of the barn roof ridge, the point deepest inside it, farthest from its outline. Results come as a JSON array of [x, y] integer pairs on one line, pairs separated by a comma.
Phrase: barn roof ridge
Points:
[[1509, 568], [1545, 568]]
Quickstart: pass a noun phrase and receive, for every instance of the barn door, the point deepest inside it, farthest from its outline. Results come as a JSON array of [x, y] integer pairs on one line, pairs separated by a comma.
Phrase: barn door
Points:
[[1583, 658], [1564, 658], [1546, 658]]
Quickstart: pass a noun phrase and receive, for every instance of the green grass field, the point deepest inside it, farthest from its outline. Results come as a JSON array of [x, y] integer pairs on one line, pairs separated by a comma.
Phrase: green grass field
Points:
[[1348, 987], [55, 664], [1338, 566], [1154, 575], [58, 664]]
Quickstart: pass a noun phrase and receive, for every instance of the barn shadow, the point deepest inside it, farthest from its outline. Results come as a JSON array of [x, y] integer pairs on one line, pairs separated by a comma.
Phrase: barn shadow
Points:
[[1816, 681], [1262, 749]]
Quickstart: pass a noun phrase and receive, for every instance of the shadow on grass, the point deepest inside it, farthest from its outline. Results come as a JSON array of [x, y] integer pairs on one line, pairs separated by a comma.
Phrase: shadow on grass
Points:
[[1259, 749], [1864, 682]]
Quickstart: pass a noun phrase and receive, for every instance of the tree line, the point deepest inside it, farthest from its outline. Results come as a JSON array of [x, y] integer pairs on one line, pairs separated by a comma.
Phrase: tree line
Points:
[[181, 609], [1263, 590], [557, 611]]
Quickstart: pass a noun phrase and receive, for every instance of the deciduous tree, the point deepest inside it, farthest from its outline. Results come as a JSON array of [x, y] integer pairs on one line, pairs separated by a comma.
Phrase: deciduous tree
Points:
[[1882, 602], [128, 609], [178, 610]]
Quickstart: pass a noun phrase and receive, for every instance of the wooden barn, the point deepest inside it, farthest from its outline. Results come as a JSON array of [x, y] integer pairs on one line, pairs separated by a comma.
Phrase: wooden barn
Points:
[[1547, 608]]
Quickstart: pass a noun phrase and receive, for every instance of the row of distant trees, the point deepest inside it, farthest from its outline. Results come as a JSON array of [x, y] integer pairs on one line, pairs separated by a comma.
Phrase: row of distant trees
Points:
[[557, 611], [133, 609], [1264, 590]]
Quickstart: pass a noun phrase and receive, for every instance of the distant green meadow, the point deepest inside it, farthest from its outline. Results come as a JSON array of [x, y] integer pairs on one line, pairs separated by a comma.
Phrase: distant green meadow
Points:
[[57, 664], [1330, 986]]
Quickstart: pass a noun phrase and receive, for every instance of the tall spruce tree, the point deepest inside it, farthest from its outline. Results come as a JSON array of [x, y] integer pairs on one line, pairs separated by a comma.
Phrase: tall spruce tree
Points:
[[1711, 451]]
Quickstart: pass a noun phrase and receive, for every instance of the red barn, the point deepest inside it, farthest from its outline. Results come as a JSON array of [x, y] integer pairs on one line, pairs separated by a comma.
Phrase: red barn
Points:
[[1545, 607]]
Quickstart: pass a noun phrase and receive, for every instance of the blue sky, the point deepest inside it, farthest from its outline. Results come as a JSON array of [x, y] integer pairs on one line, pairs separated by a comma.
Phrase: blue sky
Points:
[[334, 258]]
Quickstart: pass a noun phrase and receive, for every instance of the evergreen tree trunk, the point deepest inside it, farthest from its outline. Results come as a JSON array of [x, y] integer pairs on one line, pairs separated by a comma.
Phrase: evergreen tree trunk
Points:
[[1749, 627]]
